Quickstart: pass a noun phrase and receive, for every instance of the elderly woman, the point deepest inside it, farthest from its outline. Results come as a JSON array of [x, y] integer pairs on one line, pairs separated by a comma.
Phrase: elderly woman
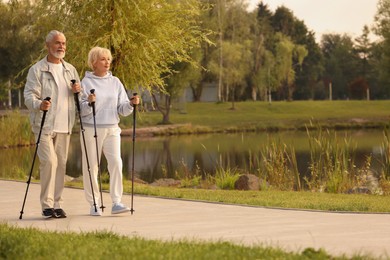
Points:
[[111, 101]]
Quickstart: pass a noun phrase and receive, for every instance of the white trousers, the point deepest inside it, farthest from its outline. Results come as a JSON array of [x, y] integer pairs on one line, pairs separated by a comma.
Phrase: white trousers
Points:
[[109, 142], [52, 153]]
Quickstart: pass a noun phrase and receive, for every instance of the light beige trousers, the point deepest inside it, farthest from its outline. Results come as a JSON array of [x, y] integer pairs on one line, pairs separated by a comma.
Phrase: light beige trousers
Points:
[[53, 154]]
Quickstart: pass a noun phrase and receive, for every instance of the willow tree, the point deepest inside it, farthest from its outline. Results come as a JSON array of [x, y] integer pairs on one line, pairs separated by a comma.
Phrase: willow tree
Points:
[[17, 42], [286, 53], [145, 37]]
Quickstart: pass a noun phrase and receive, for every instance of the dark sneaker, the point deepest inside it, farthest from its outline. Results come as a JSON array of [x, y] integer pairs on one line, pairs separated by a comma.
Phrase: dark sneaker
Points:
[[48, 213], [60, 213]]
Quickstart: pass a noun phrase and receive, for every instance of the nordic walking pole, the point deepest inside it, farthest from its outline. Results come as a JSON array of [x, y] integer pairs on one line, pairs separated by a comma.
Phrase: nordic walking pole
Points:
[[76, 99], [97, 151], [35, 155], [132, 164]]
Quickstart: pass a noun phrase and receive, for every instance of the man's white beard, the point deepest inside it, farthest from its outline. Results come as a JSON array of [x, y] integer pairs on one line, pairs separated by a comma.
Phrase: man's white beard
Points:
[[59, 55]]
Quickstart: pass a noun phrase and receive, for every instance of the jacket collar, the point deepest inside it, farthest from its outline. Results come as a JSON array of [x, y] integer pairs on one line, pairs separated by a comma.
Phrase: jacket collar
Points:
[[46, 66]]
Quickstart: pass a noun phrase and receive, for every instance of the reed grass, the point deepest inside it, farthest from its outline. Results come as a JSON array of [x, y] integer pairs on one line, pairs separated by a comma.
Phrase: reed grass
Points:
[[225, 178], [332, 166], [15, 129], [279, 166]]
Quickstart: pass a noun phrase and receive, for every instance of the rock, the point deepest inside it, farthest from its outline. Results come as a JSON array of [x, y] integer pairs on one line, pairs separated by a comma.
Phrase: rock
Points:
[[247, 182]]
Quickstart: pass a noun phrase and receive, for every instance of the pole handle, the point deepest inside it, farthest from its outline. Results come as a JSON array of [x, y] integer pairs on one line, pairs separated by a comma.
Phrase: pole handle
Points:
[[93, 103], [134, 95], [44, 113], [76, 96], [73, 81], [47, 99]]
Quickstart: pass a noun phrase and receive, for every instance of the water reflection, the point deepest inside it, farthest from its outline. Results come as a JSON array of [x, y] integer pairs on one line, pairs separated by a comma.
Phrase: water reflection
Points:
[[155, 158]]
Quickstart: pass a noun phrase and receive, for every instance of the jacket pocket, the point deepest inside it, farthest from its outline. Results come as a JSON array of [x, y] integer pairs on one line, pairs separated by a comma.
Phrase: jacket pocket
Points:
[[48, 83]]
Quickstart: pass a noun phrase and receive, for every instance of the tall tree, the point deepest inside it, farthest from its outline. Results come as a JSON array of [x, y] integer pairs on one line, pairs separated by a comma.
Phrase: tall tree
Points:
[[341, 63], [235, 68], [262, 62], [17, 43], [145, 37], [283, 21], [382, 29], [285, 54], [308, 72], [183, 75]]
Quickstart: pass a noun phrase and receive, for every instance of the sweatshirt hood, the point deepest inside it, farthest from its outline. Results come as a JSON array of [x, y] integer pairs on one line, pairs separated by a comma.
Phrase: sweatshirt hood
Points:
[[89, 74]]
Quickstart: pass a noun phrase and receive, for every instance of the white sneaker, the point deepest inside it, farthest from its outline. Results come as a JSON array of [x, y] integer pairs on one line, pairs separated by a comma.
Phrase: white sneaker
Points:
[[97, 212], [119, 208]]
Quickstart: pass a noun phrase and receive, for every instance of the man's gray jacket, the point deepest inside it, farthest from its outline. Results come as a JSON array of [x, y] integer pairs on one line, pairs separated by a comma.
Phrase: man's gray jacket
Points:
[[41, 84]]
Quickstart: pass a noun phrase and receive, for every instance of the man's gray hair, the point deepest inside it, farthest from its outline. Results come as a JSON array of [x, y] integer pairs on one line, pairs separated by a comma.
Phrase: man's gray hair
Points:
[[51, 35]]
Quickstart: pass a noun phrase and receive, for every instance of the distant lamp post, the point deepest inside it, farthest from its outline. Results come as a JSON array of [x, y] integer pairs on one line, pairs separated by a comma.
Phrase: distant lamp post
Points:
[[330, 91]]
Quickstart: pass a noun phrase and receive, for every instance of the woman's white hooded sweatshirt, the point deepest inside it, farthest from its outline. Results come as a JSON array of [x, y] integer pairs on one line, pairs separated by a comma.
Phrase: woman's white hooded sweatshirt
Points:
[[111, 100]]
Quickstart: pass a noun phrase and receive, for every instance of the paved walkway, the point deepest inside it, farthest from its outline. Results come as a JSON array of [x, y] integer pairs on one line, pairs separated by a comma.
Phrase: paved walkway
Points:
[[167, 219]]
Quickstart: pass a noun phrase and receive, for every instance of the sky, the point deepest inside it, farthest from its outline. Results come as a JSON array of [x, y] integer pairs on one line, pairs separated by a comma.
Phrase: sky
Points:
[[328, 16]]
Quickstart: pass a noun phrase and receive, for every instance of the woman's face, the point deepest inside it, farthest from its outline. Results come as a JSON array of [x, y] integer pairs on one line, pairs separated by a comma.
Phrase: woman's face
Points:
[[102, 65]]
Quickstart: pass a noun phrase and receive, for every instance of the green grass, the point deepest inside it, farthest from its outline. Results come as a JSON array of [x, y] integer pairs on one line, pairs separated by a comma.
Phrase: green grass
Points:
[[30, 243], [268, 198], [277, 115]]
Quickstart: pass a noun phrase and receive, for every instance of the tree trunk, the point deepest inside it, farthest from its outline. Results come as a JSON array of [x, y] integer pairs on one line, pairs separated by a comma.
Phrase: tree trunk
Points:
[[9, 95], [197, 92], [220, 84], [165, 120], [164, 110]]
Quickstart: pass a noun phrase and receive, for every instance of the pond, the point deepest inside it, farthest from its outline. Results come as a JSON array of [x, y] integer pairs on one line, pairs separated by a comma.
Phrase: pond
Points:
[[165, 157]]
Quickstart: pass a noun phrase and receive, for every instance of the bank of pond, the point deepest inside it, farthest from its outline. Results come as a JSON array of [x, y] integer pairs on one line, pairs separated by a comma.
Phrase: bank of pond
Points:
[[347, 161]]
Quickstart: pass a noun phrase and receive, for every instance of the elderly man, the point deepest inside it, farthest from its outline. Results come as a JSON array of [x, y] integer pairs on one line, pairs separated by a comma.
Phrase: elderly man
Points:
[[51, 77]]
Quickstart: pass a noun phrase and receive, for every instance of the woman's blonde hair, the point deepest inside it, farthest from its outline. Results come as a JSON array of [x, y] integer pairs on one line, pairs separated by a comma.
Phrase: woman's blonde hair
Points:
[[95, 53]]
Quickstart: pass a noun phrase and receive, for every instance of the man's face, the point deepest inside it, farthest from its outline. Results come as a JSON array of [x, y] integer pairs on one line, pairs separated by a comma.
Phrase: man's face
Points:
[[57, 47]]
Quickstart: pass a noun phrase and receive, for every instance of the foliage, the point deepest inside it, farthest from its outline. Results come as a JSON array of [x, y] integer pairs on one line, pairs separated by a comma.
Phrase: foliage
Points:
[[336, 47], [145, 37], [245, 55], [234, 67], [381, 50], [182, 75], [18, 43], [358, 88]]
